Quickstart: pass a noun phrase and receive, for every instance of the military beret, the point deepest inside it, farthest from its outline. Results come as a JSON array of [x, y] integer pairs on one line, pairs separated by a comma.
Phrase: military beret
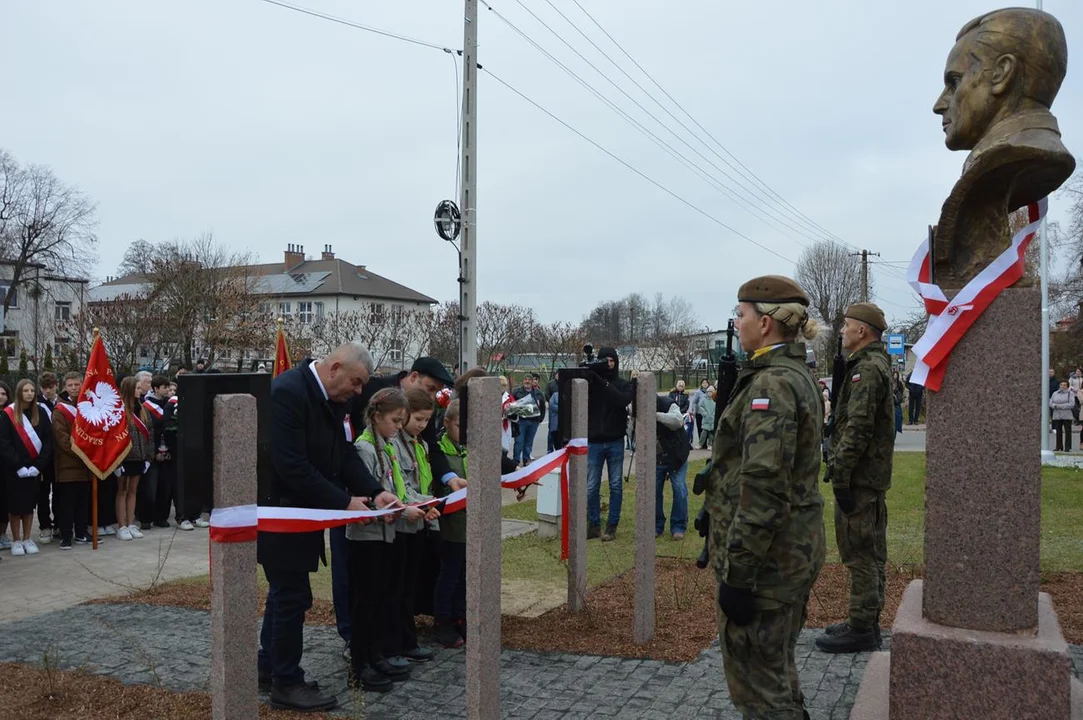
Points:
[[772, 289], [868, 314]]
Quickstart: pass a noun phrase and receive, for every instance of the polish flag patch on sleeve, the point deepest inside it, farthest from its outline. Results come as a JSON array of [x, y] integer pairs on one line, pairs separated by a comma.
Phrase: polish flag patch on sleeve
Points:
[[856, 377], [761, 403]]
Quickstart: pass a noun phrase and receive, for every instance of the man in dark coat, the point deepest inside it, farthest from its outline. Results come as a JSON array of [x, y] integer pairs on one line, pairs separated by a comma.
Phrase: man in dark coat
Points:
[[313, 466]]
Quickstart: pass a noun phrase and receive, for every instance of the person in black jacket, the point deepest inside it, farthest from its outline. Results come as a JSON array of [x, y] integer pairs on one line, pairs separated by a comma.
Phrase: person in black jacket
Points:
[[26, 449], [313, 465], [607, 422], [672, 463]]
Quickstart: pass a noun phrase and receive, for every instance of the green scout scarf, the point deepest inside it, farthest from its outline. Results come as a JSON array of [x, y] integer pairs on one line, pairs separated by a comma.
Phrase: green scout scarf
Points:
[[424, 470], [448, 448], [396, 471]]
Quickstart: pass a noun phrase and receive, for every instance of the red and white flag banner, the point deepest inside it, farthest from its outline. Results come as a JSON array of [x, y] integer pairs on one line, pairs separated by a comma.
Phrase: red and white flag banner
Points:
[[950, 319], [240, 523]]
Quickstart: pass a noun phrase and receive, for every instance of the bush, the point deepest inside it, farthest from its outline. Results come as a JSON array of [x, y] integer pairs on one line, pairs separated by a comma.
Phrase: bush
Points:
[[47, 364], [24, 368], [4, 368]]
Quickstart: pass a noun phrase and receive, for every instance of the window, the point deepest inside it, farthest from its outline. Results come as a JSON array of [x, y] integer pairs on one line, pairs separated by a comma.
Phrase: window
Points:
[[14, 294], [144, 351], [398, 313], [284, 308], [10, 343], [304, 312], [394, 355], [376, 313], [319, 311], [62, 311]]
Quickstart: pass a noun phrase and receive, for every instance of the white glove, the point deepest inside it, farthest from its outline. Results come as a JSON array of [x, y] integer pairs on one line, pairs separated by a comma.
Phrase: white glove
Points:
[[119, 472], [23, 472], [32, 471], [146, 466]]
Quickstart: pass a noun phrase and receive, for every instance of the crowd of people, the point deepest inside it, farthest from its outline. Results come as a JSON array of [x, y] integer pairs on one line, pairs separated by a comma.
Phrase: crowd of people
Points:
[[44, 473]]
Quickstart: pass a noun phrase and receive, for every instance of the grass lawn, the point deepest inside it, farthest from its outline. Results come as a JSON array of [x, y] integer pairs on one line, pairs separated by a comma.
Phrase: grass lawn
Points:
[[533, 558]]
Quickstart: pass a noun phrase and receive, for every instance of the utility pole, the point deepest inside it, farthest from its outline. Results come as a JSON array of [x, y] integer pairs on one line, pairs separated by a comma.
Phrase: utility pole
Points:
[[468, 342], [865, 272]]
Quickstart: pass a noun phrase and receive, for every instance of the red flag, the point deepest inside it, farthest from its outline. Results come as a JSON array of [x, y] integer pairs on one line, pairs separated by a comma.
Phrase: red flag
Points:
[[282, 355], [100, 434]]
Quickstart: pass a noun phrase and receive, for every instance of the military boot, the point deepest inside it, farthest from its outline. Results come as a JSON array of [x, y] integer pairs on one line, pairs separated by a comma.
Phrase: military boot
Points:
[[850, 640], [844, 627]]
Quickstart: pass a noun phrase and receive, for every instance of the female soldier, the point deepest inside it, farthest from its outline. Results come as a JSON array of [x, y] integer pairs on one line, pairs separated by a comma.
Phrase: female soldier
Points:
[[767, 531]]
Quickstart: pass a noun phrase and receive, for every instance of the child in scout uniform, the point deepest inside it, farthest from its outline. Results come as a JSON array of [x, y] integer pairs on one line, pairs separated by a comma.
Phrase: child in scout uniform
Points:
[[449, 601]]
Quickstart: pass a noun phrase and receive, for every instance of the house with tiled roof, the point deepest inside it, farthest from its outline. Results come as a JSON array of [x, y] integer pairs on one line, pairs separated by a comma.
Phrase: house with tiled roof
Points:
[[311, 293]]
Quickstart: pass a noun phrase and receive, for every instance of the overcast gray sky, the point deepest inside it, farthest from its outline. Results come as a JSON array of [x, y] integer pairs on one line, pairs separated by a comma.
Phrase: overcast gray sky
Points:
[[267, 127]]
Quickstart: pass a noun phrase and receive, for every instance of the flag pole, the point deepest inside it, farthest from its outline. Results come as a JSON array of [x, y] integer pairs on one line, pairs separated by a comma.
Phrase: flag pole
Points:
[[275, 370], [94, 479]]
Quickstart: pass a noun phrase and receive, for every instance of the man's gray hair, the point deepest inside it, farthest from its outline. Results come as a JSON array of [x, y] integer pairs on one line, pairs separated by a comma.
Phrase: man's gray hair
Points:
[[143, 375], [354, 352]]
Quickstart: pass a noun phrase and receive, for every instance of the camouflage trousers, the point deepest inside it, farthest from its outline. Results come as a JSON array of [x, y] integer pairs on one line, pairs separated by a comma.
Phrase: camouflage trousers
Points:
[[758, 660], [862, 539]]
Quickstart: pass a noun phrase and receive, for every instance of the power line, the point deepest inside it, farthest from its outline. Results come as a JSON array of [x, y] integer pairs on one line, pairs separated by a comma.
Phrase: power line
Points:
[[705, 130], [636, 170], [703, 174], [358, 26]]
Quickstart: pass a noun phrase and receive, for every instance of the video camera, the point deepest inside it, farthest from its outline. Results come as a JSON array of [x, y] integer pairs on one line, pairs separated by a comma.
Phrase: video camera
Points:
[[587, 370], [591, 361]]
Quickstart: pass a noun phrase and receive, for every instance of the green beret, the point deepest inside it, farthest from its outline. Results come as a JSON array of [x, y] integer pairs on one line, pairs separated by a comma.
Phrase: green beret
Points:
[[772, 289], [868, 314]]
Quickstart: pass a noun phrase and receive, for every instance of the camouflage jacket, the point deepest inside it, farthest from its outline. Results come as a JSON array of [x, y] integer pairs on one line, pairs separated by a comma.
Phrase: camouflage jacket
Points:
[[864, 440], [767, 529]]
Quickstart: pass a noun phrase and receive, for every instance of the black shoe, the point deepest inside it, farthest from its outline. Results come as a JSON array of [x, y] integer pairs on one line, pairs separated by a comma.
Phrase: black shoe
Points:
[[594, 532], [386, 668], [65, 544], [302, 698], [145, 526], [369, 680], [419, 655], [265, 682], [844, 627], [460, 628], [161, 524], [447, 636], [850, 641], [610, 533], [83, 540]]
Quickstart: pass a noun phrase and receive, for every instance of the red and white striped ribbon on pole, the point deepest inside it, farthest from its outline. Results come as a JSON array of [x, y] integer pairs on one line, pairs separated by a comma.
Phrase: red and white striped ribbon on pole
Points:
[[950, 319], [240, 523]]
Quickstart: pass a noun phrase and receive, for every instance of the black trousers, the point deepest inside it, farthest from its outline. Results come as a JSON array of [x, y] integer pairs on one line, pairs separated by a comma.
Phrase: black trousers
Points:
[[146, 493], [914, 409], [401, 631], [450, 600], [71, 504], [45, 487], [281, 639], [1064, 434], [166, 490], [107, 501], [428, 570], [370, 581]]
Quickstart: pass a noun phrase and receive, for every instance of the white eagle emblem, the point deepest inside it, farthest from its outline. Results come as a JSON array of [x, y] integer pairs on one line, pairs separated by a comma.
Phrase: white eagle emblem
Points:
[[102, 408]]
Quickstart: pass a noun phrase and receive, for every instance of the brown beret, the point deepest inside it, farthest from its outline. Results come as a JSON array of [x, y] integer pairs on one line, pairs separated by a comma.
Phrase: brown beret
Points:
[[772, 289], [868, 314]]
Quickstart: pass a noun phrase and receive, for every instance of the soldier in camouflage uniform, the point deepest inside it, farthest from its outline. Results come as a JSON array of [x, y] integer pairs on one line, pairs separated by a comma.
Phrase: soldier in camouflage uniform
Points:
[[767, 532], [859, 467]]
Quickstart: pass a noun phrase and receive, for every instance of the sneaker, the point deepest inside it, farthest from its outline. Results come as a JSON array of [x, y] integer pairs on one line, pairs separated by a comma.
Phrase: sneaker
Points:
[[201, 523], [187, 525], [610, 533], [161, 523], [446, 635], [45, 536], [124, 534], [17, 549], [5, 542], [103, 531], [83, 540], [419, 655], [398, 662], [30, 547], [135, 532], [65, 544]]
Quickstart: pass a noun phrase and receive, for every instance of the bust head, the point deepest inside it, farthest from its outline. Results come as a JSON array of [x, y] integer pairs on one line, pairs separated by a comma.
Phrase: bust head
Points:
[[1003, 63]]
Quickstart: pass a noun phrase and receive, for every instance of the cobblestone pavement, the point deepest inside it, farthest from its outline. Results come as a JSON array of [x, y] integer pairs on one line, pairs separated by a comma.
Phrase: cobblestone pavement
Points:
[[170, 647]]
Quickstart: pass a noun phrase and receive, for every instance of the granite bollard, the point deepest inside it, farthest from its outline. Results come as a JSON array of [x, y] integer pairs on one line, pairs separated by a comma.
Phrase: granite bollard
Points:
[[646, 402], [577, 504], [483, 550], [234, 686]]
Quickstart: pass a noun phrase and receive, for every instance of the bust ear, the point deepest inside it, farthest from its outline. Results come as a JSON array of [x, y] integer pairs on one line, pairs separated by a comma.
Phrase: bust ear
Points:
[[1004, 73]]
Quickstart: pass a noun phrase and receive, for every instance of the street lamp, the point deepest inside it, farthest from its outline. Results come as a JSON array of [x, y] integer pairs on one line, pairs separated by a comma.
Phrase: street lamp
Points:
[[448, 222]]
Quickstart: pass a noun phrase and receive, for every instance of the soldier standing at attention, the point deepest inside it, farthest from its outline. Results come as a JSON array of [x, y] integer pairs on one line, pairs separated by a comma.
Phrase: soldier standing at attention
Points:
[[767, 531], [859, 467]]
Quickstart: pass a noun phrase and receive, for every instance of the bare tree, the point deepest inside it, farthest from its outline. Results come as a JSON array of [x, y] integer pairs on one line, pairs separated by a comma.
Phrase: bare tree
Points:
[[43, 223], [832, 278], [560, 342], [503, 331], [126, 323], [139, 259]]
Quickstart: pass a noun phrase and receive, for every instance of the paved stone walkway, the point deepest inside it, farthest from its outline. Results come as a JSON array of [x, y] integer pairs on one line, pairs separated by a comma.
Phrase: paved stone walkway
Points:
[[170, 647]]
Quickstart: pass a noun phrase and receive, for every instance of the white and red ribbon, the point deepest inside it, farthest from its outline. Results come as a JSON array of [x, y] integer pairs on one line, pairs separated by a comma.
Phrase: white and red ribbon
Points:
[[26, 432], [240, 523], [950, 319]]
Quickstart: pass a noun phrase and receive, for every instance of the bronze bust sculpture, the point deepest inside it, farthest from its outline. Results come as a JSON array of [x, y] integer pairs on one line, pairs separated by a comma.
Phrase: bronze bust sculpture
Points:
[[999, 83]]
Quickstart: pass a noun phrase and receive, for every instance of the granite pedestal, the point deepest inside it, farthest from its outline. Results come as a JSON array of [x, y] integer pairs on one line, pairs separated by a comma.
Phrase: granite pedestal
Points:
[[577, 503], [646, 402]]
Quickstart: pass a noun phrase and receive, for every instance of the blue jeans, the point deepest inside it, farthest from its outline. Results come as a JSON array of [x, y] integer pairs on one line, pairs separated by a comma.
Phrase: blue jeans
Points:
[[678, 522], [282, 637], [612, 454], [524, 443], [340, 581]]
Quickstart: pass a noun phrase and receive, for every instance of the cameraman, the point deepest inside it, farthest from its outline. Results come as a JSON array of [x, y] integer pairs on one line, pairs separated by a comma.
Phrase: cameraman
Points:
[[607, 420]]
